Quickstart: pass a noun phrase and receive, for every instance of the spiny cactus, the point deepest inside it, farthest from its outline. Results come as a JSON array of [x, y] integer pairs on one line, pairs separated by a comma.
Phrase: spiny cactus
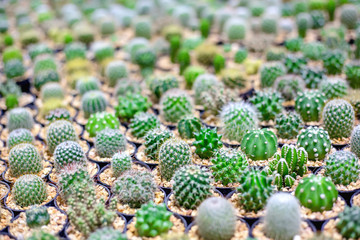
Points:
[[43, 63], [29, 190], [233, 78], [120, 163], [205, 53], [109, 141], [135, 188], [333, 61], [45, 76], [339, 118], [352, 72], [18, 136], [99, 121], [216, 219], [310, 104], [254, 190], [207, 142], [145, 58], [192, 185], [19, 118], [131, 104], [227, 164], [203, 83], [315, 141], [316, 193], [312, 76], [173, 154], [14, 68], [154, 139], [313, 50], [152, 220], [268, 104], [355, 141], [188, 126], [216, 97], [103, 51], [259, 144], [343, 167], [289, 85], [68, 152], [334, 87], [58, 114], [294, 63], [75, 50], [107, 233], [269, 72], [159, 85], [142, 123], [86, 84], [92, 102], [143, 28], [288, 125], [349, 222], [286, 210], [237, 118], [349, 16], [37, 216], [38, 49], [24, 158], [51, 90], [175, 104], [235, 29], [114, 71], [58, 132]]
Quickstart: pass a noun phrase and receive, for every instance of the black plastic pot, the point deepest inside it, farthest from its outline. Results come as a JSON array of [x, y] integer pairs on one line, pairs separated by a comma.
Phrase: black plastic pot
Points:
[[352, 198], [229, 145], [339, 147], [25, 85]]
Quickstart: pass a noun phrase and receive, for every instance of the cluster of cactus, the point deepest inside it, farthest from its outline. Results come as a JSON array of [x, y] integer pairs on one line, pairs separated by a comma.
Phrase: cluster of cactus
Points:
[[188, 126], [99, 121], [109, 141], [29, 190], [24, 158], [59, 131], [259, 144], [309, 105], [334, 87], [316, 142], [175, 104], [316, 193], [289, 86], [207, 142], [37, 216], [68, 152], [120, 163], [142, 123], [191, 186], [130, 104], [92, 102], [18, 136], [135, 188], [268, 104], [19, 118], [348, 223], [154, 139], [288, 125]]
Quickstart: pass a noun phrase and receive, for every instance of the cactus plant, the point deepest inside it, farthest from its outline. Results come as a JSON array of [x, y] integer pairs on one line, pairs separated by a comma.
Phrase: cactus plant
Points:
[[29, 190], [309, 104], [175, 43], [120, 163], [145, 58], [36, 235], [352, 72], [289, 85], [207, 142], [216, 97], [303, 22], [349, 16], [142, 123], [143, 28], [58, 114], [159, 85], [334, 87], [268, 103], [275, 54], [109, 141], [99, 121], [316, 193], [37, 216], [216, 219], [227, 164], [114, 71], [269, 72], [18, 136], [355, 141], [348, 224], [254, 190], [86, 84], [107, 233], [219, 63], [58, 132], [131, 104], [315, 141], [14, 68], [240, 55], [188, 126], [175, 104], [152, 220], [235, 29], [288, 125], [154, 139], [68, 152], [24, 158], [184, 60], [173, 154], [45, 76], [192, 185], [313, 50], [312, 76], [135, 188], [286, 209], [318, 19], [191, 73], [294, 44], [51, 90], [75, 50], [339, 118], [205, 53], [103, 51], [333, 61], [124, 86], [19, 118], [294, 63], [203, 83], [44, 63], [259, 144], [92, 102]]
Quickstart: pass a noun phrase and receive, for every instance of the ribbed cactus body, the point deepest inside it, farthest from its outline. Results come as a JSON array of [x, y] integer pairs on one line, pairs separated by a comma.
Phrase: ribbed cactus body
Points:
[[259, 144], [58, 132], [316, 142], [316, 193], [114, 71], [37, 216], [192, 185], [51, 90], [175, 104], [334, 87], [154, 139], [288, 125], [18, 136], [86, 84], [29, 190], [24, 158], [268, 104], [99, 121], [44, 77], [349, 16], [310, 104], [339, 119], [216, 219], [173, 154], [355, 141], [68, 152], [349, 222], [92, 102], [142, 123], [188, 126], [207, 142], [109, 141], [120, 163], [269, 72], [19, 118]]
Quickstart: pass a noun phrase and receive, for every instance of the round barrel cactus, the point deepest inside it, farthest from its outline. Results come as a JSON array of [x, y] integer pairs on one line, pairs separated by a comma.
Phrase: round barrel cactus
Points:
[[37, 216], [288, 125], [86, 84], [142, 123], [188, 126], [20, 135], [24, 158], [316, 142], [154, 139], [349, 222], [19, 118], [109, 141], [349, 16], [175, 104], [99, 121], [29, 190], [58, 132], [114, 71], [68, 152], [120, 163], [259, 144], [203, 83], [92, 102], [310, 104], [334, 87], [269, 72]]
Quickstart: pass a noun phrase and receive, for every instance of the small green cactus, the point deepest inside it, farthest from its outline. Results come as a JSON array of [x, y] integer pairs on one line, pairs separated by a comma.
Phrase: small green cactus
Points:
[[288, 125], [131, 104], [309, 105], [240, 55], [207, 142], [334, 87], [205, 53], [228, 163], [349, 16], [68, 152], [11, 53], [216, 97], [294, 63], [37, 216], [142, 123], [184, 59], [120, 163], [75, 50], [44, 63], [24, 158], [349, 222], [38, 49], [51, 90], [188, 126], [107, 233], [58, 132], [333, 61], [352, 72], [86, 84], [269, 24], [123, 86], [219, 63], [269, 72], [313, 50], [103, 51], [92, 102], [275, 54], [160, 85], [216, 219], [114, 71], [303, 22], [205, 28], [312, 76], [29, 190], [191, 73], [294, 44], [152, 220], [289, 85], [192, 185], [175, 44], [135, 188], [316, 193], [154, 139], [109, 141], [315, 141], [145, 58], [235, 29], [254, 190], [355, 141], [45, 76], [142, 28], [259, 144], [18, 136], [175, 104], [19, 118], [203, 83], [99, 121], [268, 103], [14, 68], [339, 118], [173, 154]]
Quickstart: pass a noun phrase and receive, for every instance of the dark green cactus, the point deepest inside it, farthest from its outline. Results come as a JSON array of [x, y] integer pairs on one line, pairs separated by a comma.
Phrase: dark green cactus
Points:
[[310, 104], [312, 76], [268, 104], [99, 121], [120, 163], [259, 144], [58, 132], [175, 104], [24, 158], [288, 125], [146, 59], [142, 123], [184, 59], [109, 141], [37, 216], [207, 142], [349, 222], [188, 126], [154, 139], [68, 152], [29, 190], [315, 141], [131, 104], [18, 136]]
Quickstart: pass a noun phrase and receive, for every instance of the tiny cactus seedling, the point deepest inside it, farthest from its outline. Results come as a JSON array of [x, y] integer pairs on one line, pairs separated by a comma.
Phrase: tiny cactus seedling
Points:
[[107, 233], [334, 87], [259, 144], [191, 186], [268, 104], [316, 193], [29, 190], [207, 142], [288, 125], [316, 142], [175, 104], [99, 121], [355, 141], [24, 158], [310, 104], [18, 136], [349, 222], [37, 216], [142, 123], [109, 141], [68, 152], [219, 63], [216, 219], [19, 118], [188, 126], [58, 132], [92, 102], [146, 59], [152, 220], [154, 139], [120, 163]]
